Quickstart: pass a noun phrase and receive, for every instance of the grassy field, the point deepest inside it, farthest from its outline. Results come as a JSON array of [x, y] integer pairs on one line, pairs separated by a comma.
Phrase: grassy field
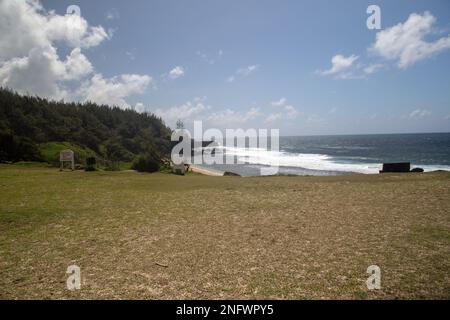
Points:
[[159, 236]]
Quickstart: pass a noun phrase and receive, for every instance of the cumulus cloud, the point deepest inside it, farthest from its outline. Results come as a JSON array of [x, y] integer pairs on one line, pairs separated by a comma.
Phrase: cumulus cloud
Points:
[[406, 42], [233, 117], [372, 68], [280, 103], [176, 72], [77, 65], [243, 72], [29, 60], [247, 70], [113, 91], [189, 111], [340, 63], [198, 110], [36, 73], [273, 117], [419, 113], [26, 25], [289, 111]]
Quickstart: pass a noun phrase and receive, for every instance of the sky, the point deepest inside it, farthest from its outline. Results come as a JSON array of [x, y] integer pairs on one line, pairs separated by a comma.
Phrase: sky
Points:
[[304, 67]]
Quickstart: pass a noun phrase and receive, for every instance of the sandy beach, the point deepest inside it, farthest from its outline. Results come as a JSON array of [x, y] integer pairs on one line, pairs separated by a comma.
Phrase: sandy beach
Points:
[[206, 171]]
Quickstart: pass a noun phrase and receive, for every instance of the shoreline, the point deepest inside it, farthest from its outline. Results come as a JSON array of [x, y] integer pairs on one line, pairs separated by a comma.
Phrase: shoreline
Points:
[[206, 171]]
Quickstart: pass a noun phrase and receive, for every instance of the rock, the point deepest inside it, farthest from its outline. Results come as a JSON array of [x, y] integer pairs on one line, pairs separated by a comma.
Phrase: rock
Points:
[[417, 170], [228, 173]]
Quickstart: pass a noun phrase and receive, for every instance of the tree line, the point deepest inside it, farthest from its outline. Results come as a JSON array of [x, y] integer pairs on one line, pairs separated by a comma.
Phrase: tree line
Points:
[[112, 133]]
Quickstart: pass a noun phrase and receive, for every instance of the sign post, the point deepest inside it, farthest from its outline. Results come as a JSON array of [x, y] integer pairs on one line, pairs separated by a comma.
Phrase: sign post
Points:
[[66, 156]]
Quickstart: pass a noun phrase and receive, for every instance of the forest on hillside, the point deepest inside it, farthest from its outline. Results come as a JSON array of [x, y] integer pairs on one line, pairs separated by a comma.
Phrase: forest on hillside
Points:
[[30, 124]]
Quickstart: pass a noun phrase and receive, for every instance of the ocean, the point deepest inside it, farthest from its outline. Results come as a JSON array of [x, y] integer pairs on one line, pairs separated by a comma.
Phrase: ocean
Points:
[[335, 155]]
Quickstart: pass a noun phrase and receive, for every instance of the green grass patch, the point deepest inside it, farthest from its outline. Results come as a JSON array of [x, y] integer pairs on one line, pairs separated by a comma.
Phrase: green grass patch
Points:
[[50, 152]]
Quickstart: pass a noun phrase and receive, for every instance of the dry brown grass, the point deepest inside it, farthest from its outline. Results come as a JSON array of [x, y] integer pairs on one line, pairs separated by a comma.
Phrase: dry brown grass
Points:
[[141, 236]]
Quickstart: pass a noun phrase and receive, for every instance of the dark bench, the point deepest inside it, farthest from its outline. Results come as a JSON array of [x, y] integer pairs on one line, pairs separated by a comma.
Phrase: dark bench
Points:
[[396, 167]]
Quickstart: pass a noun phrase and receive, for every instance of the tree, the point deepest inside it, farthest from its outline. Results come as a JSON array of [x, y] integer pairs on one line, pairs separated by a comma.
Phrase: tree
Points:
[[149, 162], [114, 133]]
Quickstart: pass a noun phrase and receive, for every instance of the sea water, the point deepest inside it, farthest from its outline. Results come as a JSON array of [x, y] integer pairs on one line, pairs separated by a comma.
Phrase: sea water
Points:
[[334, 155]]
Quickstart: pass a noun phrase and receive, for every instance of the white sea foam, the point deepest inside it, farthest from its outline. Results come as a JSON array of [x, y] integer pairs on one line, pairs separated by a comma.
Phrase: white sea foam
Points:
[[309, 161], [300, 160]]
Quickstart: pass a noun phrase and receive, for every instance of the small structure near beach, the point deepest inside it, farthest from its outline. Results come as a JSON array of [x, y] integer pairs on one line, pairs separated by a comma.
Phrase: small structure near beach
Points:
[[396, 167], [67, 156]]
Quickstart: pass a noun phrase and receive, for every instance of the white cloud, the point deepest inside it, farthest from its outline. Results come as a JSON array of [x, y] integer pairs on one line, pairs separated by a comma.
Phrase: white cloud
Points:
[[273, 117], [176, 72], [71, 29], [419, 113], [243, 72], [113, 91], [289, 111], [232, 117], [405, 42], [36, 73], [339, 63], [77, 65], [372, 68], [198, 110], [29, 60], [280, 103], [25, 25], [247, 70], [189, 111]]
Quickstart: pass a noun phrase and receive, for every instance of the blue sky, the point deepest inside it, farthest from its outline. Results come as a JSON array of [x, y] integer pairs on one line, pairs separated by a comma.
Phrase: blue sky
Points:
[[257, 64]]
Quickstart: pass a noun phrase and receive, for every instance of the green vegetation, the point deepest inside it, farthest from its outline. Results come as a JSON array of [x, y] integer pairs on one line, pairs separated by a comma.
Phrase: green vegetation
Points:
[[149, 162], [222, 237], [36, 129], [91, 164], [50, 152]]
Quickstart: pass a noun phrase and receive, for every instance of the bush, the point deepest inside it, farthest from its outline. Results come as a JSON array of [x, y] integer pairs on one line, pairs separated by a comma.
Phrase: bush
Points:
[[91, 164], [149, 162]]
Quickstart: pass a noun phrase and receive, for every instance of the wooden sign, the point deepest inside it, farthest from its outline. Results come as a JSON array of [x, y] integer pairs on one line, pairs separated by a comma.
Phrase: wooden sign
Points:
[[67, 156]]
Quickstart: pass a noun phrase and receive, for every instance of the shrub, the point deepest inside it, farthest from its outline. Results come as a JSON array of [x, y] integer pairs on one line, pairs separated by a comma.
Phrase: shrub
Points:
[[149, 162], [91, 164]]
